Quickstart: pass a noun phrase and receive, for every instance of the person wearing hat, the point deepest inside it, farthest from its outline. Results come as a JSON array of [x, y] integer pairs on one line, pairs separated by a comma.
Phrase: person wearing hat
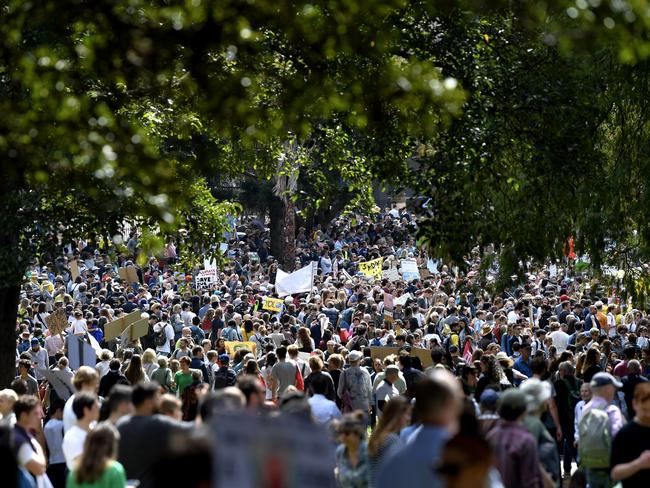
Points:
[[355, 385], [522, 364], [631, 446], [488, 418], [487, 337], [513, 446], [39, 357], [224, 376], [593, 441], [386, 388]]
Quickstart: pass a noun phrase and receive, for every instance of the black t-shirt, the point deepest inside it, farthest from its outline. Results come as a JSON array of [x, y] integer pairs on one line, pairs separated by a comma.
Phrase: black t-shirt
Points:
[[628, 445]]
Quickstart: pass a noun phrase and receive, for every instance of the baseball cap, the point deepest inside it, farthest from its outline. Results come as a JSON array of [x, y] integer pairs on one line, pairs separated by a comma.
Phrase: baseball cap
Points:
[[604, 379], [224, 358], [489, 398], [355, 356], [34, 341]]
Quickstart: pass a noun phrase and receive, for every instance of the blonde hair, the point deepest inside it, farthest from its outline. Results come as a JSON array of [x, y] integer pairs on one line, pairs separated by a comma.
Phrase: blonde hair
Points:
[[149, 356], [85, 375], [9, 395]]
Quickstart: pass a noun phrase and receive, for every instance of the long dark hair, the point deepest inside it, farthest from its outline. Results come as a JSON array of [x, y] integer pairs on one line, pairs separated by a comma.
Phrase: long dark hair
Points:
[[100, 447], [389, 422]]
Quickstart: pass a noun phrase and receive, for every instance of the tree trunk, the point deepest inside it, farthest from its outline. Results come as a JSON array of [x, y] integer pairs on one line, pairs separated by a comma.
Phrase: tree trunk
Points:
[[276, 223], [9, 296], [288, 255]]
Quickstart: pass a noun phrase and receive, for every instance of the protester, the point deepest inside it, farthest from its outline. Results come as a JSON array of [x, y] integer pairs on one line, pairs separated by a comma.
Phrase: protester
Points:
[[437, 408], [97, 467], [385, 439], [356, 328], [29, 453], [86, 409], [53, 432], [631, 445], [600, 422], [514, 447], [352, 464]]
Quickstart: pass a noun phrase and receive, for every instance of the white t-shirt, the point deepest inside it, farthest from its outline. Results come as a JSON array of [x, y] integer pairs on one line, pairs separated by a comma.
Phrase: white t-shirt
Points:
[[560, 340], [169, 335], [78, 327], [73, 445]]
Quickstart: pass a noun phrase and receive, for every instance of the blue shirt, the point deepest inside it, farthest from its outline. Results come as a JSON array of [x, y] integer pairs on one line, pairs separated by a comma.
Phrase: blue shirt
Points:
[[323, 410], [414, 464], [523, 367]]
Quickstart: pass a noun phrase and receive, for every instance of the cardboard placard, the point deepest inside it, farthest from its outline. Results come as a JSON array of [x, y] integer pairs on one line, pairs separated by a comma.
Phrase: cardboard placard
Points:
[[132, 275], [74, 269], [57, 321], [388, 316], [123, 275], [424, 355], [232, 346], [138, 329], [382, 352], [116, 327], [80, 353], [272, 304], [425, 273]]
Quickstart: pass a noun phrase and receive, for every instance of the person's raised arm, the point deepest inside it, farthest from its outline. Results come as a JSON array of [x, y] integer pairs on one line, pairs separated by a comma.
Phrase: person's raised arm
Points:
[[625, 470]]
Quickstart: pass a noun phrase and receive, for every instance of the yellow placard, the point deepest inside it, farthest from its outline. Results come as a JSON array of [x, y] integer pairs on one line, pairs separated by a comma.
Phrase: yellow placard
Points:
[[371, 269], [232, 346], [272, 304]]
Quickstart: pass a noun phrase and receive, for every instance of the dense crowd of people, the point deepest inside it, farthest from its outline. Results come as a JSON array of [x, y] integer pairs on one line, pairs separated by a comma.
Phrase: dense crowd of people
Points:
[[526, 387]]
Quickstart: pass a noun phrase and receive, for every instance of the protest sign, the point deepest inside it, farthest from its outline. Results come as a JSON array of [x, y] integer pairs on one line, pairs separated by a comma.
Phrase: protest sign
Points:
[[57, 321], [263, 451], [60, 380], [403, 299], [80, 352], [272, 304], [410, 269], [206, 278], [388, 301], [129, 275], [388, 316], [232, 346], [138, 329], [424, 355], [117, 326], [123, 275], [382, 352], [300, 281], [390, 274], [132, 274], [371, 269], [74, 269]]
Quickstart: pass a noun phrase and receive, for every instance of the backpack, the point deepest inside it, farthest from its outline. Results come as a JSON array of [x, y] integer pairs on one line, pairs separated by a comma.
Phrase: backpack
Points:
[[595, 439], [223, 377], [160, 337]]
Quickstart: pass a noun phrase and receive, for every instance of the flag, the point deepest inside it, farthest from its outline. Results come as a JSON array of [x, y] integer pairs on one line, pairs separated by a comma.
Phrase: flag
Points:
[[300, 281]]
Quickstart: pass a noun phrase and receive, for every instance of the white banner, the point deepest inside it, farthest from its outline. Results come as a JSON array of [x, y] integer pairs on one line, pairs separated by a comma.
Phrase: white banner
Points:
[[300, 281]]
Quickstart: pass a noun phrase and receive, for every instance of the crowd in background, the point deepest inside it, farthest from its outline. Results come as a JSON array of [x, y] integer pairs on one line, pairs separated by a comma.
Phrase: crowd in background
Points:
[[519, 386]]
